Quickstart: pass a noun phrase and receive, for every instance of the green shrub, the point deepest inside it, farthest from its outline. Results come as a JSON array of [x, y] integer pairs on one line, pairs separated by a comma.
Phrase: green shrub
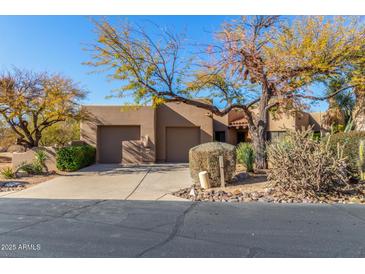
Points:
[[26, 167], [75, 157], [350, 141], [8, 173], [40, 161], [246, 155]]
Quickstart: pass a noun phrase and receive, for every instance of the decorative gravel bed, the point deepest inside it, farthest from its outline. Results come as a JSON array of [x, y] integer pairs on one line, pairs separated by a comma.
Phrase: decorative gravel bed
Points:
[[12, 185], [23, 182], [356, 194]]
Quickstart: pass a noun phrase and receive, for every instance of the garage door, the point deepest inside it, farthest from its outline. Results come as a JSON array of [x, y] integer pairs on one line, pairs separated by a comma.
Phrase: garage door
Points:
[[110, 141], [178, 142]]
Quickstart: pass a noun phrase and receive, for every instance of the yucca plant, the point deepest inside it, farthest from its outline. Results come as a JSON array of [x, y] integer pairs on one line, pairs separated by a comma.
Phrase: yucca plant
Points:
[[8, 173], [362, 160], [246, 155]]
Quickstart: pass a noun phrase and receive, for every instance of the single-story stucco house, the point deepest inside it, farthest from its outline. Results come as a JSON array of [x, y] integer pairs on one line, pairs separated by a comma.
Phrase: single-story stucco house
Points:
[[146, 134]]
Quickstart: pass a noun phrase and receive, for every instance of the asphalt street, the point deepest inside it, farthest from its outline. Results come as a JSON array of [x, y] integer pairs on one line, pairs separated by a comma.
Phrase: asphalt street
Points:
[[117, 228]]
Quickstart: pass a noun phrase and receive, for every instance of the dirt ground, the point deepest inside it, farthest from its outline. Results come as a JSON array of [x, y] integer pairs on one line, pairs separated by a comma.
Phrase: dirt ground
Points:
[[251, 183], [247, 182]]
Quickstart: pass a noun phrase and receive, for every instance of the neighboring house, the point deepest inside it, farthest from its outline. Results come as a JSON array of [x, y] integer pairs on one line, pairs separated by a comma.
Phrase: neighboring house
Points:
[[144, 134]]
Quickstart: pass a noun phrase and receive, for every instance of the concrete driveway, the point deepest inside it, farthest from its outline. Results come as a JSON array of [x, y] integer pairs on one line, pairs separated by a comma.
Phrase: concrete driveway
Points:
[[113, 182]]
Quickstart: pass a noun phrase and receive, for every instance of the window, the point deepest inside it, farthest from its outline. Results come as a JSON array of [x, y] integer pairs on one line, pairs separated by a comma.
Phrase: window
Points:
[[240, 137], [220, 136]]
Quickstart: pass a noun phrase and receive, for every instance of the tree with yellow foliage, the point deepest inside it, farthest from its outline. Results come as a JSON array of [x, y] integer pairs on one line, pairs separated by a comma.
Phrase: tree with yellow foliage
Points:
[[32, 102], [258, 63], [357, 78]]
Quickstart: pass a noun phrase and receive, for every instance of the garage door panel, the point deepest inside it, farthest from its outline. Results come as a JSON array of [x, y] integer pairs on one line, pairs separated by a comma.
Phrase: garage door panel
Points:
[[178, 142], [110, 141]]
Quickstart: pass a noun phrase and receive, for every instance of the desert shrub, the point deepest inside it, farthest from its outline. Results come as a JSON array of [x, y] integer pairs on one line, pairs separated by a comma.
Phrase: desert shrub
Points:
[[26, 167], [72, 158], [60, 134], [40, 160], [350, 142], [205, 157], [16, 148], [304, 166], [8, 173], [31, 168], [7, 135], [37, 167], [245, 155]]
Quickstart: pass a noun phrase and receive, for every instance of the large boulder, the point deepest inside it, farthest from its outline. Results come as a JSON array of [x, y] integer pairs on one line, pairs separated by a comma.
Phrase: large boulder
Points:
[[16, 148], [205, 157]]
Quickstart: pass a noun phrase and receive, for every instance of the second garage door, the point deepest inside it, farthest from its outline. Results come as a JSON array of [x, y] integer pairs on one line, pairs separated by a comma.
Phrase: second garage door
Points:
[[178, 142], [110, 141]]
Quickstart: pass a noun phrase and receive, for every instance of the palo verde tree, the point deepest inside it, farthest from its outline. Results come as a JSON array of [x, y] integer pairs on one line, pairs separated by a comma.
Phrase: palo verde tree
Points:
[[32, 102], [258, 63], [282, 59]]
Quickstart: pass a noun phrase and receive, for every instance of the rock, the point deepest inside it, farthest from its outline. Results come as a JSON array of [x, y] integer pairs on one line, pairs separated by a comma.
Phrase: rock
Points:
[[205, 157], [192, 192], [233, 200], [254, 196], [22, 173], [266, 199], [76, 143], [237, 192], [269, 190], [16, 148], [245, 195], [12, 184]]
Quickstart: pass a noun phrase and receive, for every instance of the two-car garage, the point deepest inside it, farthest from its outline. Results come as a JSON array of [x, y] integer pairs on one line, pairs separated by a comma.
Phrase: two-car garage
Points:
[[178, 142], [145, 134]]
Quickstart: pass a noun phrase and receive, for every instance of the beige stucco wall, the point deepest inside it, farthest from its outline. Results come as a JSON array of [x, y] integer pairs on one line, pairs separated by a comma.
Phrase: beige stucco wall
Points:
[[181, 115], [29, 157], [315, 119], [154, 121], [143, 116], [301, 120], [281, 122], [278, 122]]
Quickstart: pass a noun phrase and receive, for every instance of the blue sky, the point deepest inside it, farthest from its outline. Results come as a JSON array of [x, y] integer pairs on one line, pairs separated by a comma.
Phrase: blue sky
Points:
[[55, 44]]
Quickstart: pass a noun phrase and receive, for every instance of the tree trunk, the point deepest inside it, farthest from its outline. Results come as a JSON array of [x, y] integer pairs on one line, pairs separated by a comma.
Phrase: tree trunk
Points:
[[259, 142], [37, 137], [258, 130], [358, 113]]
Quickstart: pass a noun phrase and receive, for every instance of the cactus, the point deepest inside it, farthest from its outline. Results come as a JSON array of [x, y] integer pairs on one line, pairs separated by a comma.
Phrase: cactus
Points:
[[362, 160]]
